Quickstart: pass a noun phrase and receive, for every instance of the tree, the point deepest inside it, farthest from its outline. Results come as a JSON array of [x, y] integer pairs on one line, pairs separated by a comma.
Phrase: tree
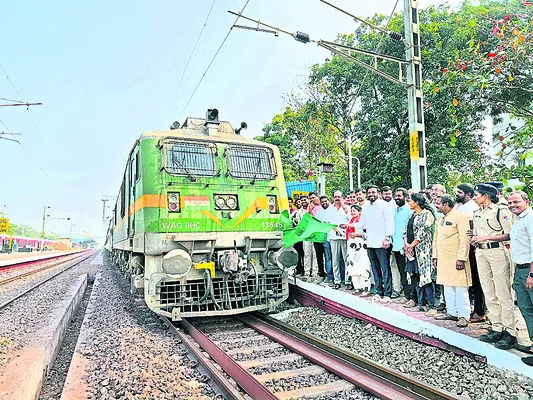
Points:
[[303, 137], [496, 69], [341, 100]]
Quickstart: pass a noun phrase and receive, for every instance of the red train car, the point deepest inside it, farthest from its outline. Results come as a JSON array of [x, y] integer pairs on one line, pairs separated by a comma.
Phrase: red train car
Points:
[[23, 244]]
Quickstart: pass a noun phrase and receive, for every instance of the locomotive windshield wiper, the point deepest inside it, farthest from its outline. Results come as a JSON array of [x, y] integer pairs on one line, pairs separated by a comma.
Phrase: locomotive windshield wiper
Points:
[[177, 162], [257, 170]]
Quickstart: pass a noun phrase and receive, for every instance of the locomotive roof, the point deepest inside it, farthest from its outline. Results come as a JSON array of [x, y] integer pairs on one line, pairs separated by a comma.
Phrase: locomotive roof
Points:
[[220, 132]]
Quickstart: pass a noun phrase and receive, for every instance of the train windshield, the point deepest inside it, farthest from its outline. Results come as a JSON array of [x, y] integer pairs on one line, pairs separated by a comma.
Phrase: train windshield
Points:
[[255, 163], [190, 158]]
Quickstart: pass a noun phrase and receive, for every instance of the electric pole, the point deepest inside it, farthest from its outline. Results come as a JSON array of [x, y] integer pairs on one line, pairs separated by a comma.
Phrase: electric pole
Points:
[[42, 231], [103, 212], [417, 134], [105, 199]]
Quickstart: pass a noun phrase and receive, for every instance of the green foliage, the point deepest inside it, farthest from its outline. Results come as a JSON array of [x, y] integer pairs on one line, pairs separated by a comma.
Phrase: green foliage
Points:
[[341, 101], [495, 68], [28, 231]]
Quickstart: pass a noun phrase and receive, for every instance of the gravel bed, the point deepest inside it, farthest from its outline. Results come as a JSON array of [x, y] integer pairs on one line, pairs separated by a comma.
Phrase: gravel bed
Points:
[[55, 380], [282, 307], [459, 375], [19, 319], [281, 351], [280, 366], [242, 344], [221, 336], [299, 382], [130, 352], [221, 329], [354, 394]]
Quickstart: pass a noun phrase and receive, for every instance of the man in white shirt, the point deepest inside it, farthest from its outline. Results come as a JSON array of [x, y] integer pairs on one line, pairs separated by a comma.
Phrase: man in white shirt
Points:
[[386, 194], [338, 214], [464, 196], [378, 219], [522, 256]]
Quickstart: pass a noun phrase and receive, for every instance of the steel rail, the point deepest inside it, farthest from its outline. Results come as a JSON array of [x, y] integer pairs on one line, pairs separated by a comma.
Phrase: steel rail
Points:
[[23, 263], [18, 296], [387, 379], [360, 377], [244, 379], [228, 390], [32, 272]]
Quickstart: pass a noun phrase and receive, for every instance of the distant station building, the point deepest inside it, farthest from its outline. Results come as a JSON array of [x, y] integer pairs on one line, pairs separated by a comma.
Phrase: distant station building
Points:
[[84, 243]]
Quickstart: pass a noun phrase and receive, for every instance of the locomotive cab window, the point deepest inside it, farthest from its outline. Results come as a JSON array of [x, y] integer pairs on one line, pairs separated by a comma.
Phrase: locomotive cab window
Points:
[[246, 162], [189, 158]]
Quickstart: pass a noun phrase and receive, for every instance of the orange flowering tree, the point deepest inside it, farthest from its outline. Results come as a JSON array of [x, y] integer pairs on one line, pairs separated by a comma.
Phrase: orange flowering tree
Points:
[[496, 69]]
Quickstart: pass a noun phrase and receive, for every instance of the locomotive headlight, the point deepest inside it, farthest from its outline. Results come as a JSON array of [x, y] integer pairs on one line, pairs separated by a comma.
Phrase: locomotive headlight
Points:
[[173, 202], [219, 202], [226, 202], [231, 203], [272, 206], [176, 263]]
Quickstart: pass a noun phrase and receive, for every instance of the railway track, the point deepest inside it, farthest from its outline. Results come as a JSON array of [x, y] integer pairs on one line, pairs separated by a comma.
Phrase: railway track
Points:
[[71, 262], [34, 271], [271, 360]]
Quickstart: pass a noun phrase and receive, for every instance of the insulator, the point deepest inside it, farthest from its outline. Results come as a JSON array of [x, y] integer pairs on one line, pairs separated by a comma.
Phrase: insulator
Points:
[[395, 36], [302, 37]]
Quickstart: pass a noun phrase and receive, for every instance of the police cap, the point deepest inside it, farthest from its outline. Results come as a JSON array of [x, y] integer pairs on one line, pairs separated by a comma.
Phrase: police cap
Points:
[[497, 185], [484, 188]]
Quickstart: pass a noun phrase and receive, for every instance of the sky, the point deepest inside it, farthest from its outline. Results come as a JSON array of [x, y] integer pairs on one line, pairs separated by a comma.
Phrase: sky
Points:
[[107, 71]]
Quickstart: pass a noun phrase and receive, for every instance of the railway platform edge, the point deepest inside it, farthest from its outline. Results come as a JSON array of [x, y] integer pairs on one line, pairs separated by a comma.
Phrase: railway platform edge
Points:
[[36, 359]]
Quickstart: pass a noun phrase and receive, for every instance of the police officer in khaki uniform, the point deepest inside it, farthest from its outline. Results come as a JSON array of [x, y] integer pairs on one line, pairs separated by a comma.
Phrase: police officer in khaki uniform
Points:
[[491, 228]]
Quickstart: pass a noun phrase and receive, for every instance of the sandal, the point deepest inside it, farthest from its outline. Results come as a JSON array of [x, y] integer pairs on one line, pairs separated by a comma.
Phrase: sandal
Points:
[[410, 304]]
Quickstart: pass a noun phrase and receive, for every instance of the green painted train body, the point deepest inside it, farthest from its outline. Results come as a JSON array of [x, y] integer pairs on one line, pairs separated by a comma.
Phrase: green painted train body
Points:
[[197, 221]]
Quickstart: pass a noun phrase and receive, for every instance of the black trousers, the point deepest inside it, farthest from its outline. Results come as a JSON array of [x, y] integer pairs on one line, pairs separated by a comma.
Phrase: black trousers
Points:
[[299, 247], [439, 293], [475, 290], [319, 250], [409, 290]]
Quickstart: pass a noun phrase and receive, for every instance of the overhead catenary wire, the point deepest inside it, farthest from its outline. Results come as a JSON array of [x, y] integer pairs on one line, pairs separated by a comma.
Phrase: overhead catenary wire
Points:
[[23, 148], [391, 34], [8, 79], [11, 82], [14, 101], [187, 64], [332, 47], [358, 93], [211, 62]]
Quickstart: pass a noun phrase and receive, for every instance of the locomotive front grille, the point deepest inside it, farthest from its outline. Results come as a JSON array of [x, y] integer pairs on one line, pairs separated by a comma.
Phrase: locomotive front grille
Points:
[[192, 296]]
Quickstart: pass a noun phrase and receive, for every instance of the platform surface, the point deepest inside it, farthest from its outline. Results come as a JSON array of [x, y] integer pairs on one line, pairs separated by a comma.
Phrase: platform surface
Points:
[[396, 315], [14, 258]]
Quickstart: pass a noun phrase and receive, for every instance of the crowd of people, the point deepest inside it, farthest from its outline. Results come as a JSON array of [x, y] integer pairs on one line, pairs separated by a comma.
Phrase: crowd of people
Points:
[[454, 258]]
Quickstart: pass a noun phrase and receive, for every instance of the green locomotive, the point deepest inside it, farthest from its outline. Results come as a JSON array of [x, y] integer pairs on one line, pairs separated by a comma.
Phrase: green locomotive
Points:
[[197, 224]]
